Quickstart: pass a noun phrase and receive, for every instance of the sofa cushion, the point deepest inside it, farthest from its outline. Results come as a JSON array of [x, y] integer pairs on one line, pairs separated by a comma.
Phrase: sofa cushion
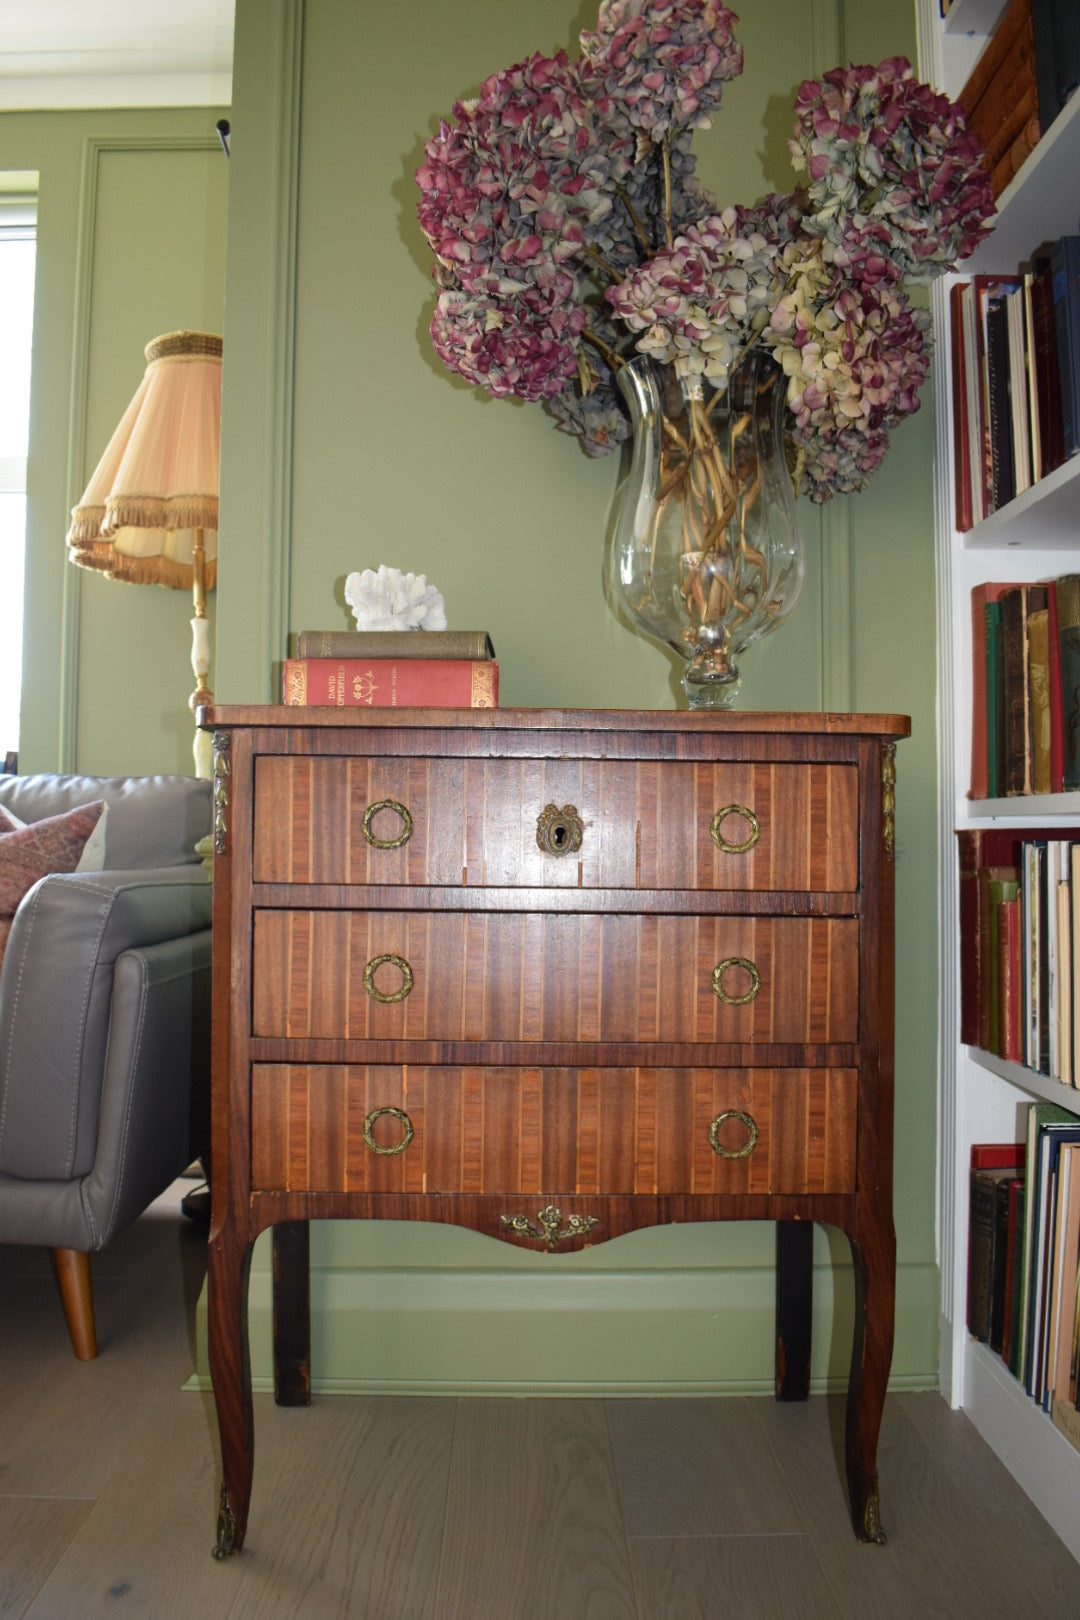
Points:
[[32, 852], [153, 821], [92, 858]]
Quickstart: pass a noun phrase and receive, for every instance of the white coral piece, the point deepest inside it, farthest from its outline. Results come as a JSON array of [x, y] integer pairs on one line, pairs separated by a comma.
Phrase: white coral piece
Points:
[[391, 600]]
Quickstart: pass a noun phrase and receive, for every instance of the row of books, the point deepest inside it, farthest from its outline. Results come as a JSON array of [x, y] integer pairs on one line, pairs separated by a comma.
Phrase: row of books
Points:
[[1001, 100], [1021, 81], [1015, 344], [1025, 685], [439, 669], [1023, 1284], [1019, 901]]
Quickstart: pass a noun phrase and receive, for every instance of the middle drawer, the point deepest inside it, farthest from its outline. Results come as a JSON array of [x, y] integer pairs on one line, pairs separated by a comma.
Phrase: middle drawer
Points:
[[494, 976]]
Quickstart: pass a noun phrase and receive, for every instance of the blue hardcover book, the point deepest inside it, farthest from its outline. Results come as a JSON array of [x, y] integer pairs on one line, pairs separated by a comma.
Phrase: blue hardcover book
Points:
[[1065, 275]]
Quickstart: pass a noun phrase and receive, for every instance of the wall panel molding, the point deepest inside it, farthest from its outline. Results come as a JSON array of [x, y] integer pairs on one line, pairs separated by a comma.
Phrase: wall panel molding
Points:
[[257, 389], [96, 152]]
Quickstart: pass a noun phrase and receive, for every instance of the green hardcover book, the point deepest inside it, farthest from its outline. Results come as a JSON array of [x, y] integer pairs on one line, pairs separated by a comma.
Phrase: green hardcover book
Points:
[[995, 686]]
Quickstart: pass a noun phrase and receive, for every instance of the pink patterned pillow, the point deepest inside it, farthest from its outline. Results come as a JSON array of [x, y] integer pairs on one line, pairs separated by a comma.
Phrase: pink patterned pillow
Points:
[[41, 847]]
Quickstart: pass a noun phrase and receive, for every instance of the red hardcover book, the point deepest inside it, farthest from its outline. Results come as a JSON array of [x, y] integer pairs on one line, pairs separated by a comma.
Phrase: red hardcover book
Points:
[[390, 683], [977, 849], [998, 1155], [988, 591]]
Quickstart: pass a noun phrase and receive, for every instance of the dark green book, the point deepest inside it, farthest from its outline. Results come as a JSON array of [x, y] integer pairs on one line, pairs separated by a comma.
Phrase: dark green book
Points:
[[1016, 1283], [995, 684]]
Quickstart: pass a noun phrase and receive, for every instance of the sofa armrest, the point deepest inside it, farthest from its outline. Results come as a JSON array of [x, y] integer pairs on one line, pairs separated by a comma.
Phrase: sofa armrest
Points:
[[56, 989]]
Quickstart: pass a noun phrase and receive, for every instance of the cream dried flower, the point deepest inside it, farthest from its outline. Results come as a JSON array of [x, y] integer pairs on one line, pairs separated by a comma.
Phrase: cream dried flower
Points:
[[387, 599]]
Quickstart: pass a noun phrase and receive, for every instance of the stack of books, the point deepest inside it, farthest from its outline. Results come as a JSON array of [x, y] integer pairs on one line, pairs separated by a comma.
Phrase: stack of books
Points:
[[1025, 642], [1019, 891], [1024, 1258], [1015, 345], [1001, 97], [386, 669]]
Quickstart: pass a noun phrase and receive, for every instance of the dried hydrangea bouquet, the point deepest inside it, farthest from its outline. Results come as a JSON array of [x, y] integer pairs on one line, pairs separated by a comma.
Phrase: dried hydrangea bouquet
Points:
[[582, 265]]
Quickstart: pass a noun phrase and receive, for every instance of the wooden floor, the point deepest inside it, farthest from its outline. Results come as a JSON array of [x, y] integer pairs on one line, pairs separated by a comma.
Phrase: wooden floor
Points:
[[375, 1508]]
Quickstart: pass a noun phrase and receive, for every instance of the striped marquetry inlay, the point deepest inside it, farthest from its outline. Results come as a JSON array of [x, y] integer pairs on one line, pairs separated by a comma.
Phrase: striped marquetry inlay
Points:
[[536, 976], [550, 1131], [647, 824]]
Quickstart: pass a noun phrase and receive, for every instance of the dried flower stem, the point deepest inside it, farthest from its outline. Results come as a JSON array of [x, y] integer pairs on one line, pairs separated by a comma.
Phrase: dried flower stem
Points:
[[639, 229], [609, 270]]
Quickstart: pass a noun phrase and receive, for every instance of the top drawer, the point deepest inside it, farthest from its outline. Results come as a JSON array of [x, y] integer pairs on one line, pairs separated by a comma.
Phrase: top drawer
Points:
[[642, 824]]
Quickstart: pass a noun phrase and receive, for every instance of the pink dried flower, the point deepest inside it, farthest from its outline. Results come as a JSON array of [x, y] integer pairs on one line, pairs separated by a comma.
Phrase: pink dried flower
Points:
[[893, 173], [517, 347], [568, 228], [697, 303], [664, 62]]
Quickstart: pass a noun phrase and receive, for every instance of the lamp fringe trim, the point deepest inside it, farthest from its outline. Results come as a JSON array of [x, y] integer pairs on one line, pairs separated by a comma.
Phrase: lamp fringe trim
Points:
[[139, 570]]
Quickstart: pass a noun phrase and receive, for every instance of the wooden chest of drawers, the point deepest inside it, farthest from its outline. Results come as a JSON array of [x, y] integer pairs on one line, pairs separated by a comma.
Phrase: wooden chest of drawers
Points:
[[552, 975]]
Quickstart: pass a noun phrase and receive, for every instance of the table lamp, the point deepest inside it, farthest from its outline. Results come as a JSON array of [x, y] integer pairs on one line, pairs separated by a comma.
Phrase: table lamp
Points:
[[149, 514]]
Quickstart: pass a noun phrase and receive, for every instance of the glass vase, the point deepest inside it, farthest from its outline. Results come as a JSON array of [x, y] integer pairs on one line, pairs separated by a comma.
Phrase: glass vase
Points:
[[706, 555]]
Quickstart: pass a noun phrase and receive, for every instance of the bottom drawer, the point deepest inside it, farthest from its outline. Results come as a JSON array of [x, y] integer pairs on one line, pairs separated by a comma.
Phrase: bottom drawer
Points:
[[337, 1128]]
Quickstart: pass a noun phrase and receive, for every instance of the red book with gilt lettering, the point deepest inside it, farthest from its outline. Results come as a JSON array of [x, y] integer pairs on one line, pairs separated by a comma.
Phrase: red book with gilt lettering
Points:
[[390, 683]]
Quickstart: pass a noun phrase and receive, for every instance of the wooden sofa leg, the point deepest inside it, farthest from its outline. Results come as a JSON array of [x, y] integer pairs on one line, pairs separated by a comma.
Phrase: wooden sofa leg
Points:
[[72, 1269]]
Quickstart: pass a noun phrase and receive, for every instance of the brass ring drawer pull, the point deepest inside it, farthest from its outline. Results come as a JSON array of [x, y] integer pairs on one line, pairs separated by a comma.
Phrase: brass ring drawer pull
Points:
[[403, 968], [387, 843], [717, 1126], [406, 1131], [559, 832], [722, 968], [725, 845]]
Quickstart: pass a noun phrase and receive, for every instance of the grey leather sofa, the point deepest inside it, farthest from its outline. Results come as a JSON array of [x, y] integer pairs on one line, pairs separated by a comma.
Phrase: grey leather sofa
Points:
[[104, 1024]]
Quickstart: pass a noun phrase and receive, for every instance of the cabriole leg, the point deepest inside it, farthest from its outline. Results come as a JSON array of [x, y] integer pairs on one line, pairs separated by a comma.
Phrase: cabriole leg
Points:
[[874, 1255], [228, 1269]]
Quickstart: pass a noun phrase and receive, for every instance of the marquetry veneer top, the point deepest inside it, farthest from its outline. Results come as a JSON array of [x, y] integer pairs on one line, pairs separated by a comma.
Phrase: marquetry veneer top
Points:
[[276, 716]]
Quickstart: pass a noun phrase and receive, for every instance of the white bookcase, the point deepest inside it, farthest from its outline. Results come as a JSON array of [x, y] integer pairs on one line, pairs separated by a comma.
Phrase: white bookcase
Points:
[[1037, 536]]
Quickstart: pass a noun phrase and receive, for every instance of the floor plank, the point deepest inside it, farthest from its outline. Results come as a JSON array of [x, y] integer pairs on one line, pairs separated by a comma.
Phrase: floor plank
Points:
[[351, 1524], [533, 1529], [751, 1577], [697, 1468], [939, 1560], [40, 1527], [149, 1537]]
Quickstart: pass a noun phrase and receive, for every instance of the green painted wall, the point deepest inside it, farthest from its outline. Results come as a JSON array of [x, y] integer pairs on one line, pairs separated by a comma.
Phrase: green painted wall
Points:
[[347, 445], [131, 243]]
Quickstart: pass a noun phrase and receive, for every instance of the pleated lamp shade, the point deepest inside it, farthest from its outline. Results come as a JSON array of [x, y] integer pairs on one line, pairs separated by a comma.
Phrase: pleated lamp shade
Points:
[[156, 487]]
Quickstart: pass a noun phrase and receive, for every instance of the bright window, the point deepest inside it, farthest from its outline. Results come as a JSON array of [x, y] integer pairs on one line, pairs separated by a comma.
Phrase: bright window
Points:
[[18, 214]]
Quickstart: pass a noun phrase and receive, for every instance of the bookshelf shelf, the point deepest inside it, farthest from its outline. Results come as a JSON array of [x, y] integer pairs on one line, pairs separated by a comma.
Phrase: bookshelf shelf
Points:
[[1015, 811], [1044, 515], [1035, 537], [1039, 1086]]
